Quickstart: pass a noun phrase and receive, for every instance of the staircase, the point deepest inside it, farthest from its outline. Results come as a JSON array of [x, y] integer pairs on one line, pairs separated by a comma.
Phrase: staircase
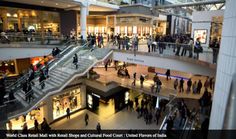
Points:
[[60, 75]]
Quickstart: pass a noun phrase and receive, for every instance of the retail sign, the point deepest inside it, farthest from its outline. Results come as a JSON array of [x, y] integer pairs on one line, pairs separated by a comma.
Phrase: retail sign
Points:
[[96, 95], [135, 60], [126, 20], [201, 34]]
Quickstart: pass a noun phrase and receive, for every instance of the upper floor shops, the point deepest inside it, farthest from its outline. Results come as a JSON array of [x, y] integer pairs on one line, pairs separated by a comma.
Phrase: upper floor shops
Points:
[[44, 20]]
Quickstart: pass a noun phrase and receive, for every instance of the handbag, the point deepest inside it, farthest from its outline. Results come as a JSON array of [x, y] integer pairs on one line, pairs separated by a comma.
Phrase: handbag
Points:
[[200, 49]]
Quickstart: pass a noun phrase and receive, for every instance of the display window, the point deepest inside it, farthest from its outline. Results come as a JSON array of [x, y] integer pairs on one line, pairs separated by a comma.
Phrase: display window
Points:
[[216, 27], [17, 19], [17, 123], [7, 67], [70, 99], [201, 34]]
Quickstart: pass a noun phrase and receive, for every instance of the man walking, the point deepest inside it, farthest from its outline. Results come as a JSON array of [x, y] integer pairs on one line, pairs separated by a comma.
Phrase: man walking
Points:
[[134, 76], [86, 118]]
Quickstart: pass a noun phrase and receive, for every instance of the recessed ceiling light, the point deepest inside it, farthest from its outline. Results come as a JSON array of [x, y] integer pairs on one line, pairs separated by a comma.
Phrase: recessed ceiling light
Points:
[[68, 5], [42, 1], [56, 3]]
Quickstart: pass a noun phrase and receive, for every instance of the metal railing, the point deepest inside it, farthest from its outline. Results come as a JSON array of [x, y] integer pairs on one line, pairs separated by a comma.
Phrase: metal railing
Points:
[[14, 106], [66, 48], [169, 49]]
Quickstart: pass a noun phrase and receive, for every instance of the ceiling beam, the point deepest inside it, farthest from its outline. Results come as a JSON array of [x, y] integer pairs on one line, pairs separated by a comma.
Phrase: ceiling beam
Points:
[[190, 4]]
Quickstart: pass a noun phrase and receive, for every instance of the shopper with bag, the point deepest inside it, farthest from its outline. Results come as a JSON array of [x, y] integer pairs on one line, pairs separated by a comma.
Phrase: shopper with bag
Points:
[[198, 48]]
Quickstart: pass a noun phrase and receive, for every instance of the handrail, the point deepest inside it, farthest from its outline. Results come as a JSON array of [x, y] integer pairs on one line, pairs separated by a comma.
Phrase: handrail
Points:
[[31, 91], [49, 63], [25, 75], [169, 114]]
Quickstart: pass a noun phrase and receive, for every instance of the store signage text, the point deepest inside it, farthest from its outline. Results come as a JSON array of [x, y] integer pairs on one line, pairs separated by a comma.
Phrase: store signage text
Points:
[[135, 60]]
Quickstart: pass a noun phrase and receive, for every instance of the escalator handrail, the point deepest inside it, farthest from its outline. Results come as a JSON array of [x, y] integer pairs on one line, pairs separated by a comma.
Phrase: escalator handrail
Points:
[[31, 91], [27, 73]]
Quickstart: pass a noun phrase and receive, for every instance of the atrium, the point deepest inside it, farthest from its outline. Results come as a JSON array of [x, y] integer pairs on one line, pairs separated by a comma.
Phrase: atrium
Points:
[[117, 68]]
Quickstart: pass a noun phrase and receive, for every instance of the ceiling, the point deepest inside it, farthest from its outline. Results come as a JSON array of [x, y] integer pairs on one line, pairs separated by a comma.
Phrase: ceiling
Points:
[[62, 4]]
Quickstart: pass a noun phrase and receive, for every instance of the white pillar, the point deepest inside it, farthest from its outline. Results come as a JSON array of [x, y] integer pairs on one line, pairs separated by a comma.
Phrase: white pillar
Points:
[[83, 21], [225, 68], [48, 109], [83, 96]]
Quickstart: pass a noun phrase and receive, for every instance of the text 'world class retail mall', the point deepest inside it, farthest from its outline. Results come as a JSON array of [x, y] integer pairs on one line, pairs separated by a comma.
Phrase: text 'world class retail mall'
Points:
[[117, 69]]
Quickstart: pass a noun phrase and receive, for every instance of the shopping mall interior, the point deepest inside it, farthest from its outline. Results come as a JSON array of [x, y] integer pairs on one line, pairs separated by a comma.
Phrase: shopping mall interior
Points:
[[158, 65]]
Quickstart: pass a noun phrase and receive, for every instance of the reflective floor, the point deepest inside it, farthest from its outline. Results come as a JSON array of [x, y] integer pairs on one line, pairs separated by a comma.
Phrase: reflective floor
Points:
[[167, 86]]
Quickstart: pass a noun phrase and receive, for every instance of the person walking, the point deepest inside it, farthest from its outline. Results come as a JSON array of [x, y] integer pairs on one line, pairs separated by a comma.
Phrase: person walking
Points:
[[194, 87], [207, 83], [158, 115], [68, 113], [134, 81], [75, 61], [86, 118], [191, 47], [159, 83], [41, 79], [189, 84], [168, 74], [149, 43], [141, 80], [44, 125], [215, 45], [181, 85], [106, 65], [99, 128], [36, 125], [197, 48], [211, 82], [199, 87], [176, 82]]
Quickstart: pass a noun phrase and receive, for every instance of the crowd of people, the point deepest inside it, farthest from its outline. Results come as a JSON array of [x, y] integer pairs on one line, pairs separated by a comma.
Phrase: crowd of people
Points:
[[194, 87], [146, 109], [181, 44]]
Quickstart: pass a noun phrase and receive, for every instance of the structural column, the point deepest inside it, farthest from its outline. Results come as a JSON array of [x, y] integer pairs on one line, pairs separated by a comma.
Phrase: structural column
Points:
[[226, 67], [48, 109], [83, 21]]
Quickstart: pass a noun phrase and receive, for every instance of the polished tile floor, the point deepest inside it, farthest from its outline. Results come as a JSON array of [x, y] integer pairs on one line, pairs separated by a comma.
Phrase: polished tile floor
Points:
[[124, 119], [167, 86]]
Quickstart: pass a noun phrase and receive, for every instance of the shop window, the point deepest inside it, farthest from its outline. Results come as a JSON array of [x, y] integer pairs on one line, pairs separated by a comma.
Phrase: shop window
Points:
[[18, 122], [70, 99]]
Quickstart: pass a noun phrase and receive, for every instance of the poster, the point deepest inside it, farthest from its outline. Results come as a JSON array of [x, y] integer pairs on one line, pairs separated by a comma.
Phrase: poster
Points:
[[202, 34]]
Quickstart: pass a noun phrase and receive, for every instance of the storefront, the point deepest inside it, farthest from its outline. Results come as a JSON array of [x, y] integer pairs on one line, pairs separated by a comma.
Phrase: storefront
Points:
[[207, 27], [130, 25], [7, 67], [69, 99], [95, 25], [17, 19], [106, 103], [36, 114]]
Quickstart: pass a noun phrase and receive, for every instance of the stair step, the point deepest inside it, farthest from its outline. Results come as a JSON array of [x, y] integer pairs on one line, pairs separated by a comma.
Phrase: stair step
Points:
[[59, 71], [21, 93], [51, 83], [35, 95], [55, 81], [23, 102], [37, 90], [58, 78], [58, 75]]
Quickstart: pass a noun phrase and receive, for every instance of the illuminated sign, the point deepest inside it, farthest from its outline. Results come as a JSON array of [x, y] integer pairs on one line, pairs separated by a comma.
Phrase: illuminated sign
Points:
[[201, 34], [96, 95]]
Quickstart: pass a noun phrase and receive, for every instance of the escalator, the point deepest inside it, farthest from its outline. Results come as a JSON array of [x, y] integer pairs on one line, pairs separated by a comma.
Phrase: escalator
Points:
[[180, 131], [61, 73]]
